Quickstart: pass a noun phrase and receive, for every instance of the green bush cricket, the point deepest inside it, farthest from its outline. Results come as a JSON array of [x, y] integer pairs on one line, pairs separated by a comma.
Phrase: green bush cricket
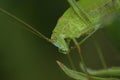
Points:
[[83, 18]]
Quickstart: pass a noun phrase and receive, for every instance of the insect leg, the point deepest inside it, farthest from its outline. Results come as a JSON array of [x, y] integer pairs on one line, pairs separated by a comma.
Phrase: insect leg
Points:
[[88, 36], [82, 60], [27, 26], [84, 39], [97, 46], [83, 16], [69, 56], [70, 60], [99, 51]]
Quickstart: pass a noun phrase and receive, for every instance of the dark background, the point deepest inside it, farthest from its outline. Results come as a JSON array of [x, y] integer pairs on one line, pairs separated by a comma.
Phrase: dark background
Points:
[[24, 56]]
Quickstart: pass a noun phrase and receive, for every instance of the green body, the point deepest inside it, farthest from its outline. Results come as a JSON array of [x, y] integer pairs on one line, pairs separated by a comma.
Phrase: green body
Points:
[[70, 25]]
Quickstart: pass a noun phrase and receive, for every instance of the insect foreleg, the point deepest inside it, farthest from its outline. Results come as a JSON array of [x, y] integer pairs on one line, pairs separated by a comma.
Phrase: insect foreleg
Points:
[[85, 38], [70, 60], [88, 36], [27, 26], [82, 59]]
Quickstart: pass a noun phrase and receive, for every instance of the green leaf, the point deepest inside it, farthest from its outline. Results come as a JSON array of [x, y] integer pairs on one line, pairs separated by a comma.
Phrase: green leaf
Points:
[[79, 75], [114, 72]]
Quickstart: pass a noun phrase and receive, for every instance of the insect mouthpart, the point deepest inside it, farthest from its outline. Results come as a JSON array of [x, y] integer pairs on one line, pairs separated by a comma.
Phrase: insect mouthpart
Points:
[[61, 44], [62, 48]]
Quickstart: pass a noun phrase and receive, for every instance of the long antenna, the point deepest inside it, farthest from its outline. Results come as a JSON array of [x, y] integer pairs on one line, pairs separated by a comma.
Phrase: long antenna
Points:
[[27, 26]]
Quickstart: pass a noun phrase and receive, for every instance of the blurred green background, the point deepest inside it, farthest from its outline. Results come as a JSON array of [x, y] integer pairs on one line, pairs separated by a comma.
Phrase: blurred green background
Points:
[[24, 56]]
